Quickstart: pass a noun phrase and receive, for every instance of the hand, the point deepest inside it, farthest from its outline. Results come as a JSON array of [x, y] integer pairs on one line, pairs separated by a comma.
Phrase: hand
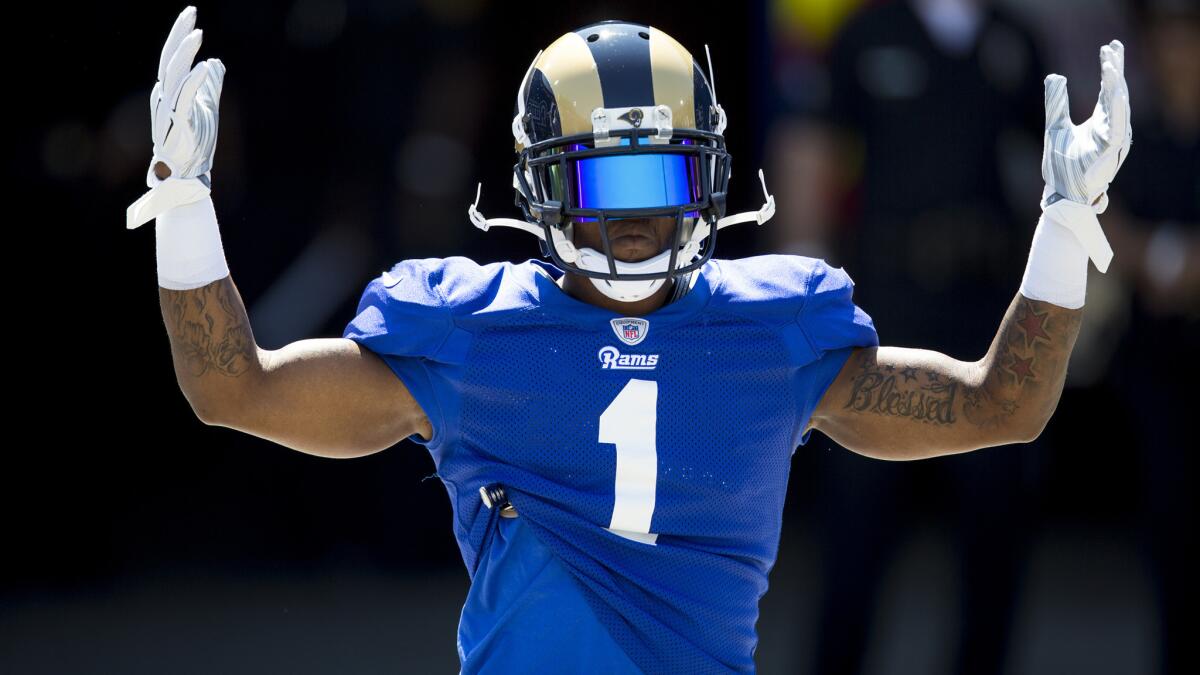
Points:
[[1079, 162], [183, 117]]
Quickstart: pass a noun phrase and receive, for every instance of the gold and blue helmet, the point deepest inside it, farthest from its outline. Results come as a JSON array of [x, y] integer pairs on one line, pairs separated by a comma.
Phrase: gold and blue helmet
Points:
[[618, 120]]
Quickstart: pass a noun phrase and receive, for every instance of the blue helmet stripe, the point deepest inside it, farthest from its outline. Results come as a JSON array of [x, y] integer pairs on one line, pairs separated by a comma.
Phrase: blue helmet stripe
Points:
[[623, 64]]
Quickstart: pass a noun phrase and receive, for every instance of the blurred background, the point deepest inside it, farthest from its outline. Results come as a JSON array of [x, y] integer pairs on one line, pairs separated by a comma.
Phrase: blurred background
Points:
[[903, 140]]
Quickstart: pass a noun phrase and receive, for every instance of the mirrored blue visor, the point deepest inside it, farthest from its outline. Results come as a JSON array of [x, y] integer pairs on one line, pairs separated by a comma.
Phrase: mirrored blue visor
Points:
[[643, 180]]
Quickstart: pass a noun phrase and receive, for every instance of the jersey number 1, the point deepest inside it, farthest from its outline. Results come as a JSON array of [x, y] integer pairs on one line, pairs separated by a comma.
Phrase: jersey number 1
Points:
[[630, 422]]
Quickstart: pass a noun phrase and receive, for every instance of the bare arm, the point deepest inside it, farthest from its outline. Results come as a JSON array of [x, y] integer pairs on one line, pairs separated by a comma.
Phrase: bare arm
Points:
[[329, 397], [897, 403]]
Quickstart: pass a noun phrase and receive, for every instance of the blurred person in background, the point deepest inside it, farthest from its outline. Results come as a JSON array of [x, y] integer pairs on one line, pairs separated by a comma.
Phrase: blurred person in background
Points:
[[898, 145], [1154, 219]]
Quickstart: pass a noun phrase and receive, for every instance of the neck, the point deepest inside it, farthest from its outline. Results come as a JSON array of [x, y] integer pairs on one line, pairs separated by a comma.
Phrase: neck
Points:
[[581, 288]]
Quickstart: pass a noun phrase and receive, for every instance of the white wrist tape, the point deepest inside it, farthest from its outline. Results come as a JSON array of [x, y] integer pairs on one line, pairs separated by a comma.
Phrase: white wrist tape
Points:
[[188, 245], [1058, 264]]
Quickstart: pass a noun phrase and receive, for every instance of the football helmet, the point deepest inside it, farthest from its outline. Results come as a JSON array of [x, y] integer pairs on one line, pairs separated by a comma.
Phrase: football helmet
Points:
[[618, 120]]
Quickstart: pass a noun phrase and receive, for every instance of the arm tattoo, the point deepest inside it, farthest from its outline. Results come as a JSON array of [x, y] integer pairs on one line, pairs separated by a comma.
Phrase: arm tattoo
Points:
[[1026, 366], [1020, 382], [919, 394], [209, 329]]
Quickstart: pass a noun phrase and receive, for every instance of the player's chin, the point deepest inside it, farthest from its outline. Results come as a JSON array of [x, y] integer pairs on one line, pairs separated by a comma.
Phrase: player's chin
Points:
[[635, 248]]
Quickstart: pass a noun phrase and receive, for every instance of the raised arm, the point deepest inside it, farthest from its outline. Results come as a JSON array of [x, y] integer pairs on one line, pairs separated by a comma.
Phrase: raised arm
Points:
[[897, 403], [326, 397], [329, 397]]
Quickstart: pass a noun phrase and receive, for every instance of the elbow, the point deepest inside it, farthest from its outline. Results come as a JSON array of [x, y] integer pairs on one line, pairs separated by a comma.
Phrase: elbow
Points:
[[1030, 431], [201, 406], [213, 411], [224, 407], [1035, 426], [204, 404], [206, 412]]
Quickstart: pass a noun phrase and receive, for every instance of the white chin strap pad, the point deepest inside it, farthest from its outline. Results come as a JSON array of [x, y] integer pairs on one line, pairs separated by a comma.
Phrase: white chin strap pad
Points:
[[629, 291]]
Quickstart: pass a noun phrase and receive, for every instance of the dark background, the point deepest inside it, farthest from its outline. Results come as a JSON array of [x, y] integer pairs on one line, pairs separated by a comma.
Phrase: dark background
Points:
[[352, 135]]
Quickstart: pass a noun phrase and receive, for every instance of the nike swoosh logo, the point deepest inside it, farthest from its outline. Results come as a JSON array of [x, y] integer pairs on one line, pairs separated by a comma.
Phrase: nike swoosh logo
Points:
[[389, 280]]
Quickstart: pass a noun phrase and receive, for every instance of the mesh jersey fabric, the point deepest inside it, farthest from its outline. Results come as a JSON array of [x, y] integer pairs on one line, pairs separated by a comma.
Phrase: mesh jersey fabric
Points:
[[513, 375]]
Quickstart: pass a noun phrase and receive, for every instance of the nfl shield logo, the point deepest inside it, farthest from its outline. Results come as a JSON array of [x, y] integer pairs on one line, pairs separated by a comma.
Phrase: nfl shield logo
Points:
[[631, 330]]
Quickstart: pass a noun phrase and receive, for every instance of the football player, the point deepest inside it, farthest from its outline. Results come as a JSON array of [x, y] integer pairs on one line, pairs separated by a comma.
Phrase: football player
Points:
[[614, 427]]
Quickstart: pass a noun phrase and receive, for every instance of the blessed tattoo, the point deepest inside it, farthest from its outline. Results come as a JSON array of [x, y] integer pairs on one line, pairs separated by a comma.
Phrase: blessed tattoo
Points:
[[876, 392]]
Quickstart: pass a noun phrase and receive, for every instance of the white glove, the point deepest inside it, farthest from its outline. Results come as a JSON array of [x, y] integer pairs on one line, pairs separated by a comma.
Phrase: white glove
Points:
[[1079, 161], [183, 116]]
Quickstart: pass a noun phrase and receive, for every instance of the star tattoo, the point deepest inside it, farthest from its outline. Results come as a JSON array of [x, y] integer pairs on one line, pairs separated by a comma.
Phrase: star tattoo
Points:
[[1034, 325], [909, 373], [1022, 368], [972, 399]]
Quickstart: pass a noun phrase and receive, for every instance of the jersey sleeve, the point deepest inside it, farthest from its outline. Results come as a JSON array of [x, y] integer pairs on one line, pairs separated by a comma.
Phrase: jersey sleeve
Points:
[[832, 326], [403, 318]]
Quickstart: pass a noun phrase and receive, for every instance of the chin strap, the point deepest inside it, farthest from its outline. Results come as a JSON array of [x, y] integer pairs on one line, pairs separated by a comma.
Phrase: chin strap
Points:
[[760, 216], [484, 223]]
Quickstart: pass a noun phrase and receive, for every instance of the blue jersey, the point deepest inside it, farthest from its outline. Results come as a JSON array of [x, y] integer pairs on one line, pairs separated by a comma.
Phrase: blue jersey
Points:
[[647, 457]]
